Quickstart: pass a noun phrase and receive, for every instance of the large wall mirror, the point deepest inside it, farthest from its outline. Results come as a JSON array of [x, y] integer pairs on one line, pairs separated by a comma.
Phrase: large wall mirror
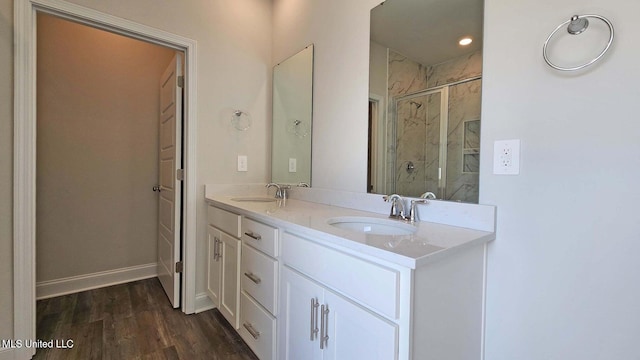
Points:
[[424, 103], [292, 115]]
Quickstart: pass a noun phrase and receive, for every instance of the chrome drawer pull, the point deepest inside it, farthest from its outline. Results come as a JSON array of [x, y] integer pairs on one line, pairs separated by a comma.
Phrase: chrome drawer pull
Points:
[[314, 319], [255, 333], [324, 326], [253, 278], [252, 235]]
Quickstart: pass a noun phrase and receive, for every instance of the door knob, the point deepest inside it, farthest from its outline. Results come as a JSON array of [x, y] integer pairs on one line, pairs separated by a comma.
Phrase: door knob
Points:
[[157, 188]]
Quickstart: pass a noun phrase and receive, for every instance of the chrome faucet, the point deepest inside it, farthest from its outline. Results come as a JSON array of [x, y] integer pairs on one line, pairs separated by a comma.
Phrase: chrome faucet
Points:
[[281, 190], [397, 206], [428, 195], [278, 190]]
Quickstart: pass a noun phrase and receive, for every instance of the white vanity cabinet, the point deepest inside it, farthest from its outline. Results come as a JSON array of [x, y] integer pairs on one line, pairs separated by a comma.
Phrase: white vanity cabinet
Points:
[[319, 317], [259, 273], [296, 291], [317, 323], [223, 258], [377, 310]]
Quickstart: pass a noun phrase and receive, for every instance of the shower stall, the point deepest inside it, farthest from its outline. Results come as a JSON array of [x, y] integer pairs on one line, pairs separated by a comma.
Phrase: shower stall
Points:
[[435, 141]]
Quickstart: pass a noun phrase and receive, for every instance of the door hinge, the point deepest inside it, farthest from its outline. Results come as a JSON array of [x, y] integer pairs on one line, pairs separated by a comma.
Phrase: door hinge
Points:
[[179, 267], [181, 81], [180, 174]]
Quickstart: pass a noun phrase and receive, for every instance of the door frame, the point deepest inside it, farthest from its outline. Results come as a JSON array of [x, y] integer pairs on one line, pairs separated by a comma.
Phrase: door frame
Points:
[[379, 142], [24, 157]]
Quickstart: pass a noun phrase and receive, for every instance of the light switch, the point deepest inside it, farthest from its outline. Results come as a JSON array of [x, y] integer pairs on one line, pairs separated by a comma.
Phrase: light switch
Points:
[[242, 163], [293, 165]]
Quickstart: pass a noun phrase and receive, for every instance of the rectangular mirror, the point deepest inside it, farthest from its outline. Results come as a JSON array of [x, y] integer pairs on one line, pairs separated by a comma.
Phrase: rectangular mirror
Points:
[[424, 102], [292, 115]]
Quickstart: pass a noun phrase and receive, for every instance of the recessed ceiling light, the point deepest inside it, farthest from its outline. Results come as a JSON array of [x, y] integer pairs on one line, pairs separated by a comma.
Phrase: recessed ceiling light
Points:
[[465, 41]]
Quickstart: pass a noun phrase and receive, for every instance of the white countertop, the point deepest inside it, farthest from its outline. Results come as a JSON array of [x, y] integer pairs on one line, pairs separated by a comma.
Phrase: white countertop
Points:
[[430, 242]]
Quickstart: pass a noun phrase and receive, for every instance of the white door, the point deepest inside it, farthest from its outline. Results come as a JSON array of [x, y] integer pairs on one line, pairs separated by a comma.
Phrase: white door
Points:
[[299, 318], [169, 214]]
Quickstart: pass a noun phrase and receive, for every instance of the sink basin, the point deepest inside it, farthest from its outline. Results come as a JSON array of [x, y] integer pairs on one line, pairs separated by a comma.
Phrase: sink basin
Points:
[[371, 225], [254, 199]]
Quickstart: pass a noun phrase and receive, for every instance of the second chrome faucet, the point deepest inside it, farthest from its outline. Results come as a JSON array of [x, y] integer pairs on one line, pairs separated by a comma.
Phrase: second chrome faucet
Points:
[[281, 190], [397, 208]]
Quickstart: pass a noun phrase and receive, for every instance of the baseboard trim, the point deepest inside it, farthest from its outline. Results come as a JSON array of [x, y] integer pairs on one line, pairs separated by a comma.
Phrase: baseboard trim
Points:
[[74, 284], [203, 303]]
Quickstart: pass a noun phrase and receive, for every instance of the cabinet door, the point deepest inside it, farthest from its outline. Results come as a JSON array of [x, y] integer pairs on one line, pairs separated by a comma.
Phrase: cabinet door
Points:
[[355, 333], [230, 279], [213, 264], [299, 320]]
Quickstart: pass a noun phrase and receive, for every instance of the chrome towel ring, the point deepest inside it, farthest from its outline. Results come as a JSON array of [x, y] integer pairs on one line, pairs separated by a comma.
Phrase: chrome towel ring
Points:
[[575, 26]]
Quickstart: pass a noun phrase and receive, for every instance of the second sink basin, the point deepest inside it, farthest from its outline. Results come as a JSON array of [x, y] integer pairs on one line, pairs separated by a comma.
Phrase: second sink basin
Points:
[[371, 225], [254, 199]]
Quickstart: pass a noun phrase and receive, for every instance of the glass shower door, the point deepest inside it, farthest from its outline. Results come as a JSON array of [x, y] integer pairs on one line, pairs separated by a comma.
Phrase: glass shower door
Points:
[[420, 152]]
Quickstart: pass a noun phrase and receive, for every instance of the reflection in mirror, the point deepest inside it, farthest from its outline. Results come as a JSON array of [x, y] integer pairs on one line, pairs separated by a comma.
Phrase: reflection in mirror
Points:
[[292, 111], [424, 103]]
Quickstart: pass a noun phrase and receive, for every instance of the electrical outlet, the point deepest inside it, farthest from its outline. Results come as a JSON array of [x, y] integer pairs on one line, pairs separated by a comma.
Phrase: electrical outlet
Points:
[[242, 163], [292, 165], [506, 157]]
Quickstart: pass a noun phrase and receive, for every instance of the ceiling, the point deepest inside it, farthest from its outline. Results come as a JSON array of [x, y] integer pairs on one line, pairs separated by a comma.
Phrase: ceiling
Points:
[[427, 31]]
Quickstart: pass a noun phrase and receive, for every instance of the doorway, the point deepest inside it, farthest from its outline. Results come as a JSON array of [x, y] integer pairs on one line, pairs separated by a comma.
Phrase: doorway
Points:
[[377, 159], [97, 150], [25, 145]]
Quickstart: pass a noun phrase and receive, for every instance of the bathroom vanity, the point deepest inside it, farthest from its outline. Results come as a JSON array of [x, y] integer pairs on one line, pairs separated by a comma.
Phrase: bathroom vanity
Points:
[[305, 280]]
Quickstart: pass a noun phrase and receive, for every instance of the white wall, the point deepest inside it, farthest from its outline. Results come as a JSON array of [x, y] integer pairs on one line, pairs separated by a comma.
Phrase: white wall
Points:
[[378, 62], [563, 271], [340, 32]]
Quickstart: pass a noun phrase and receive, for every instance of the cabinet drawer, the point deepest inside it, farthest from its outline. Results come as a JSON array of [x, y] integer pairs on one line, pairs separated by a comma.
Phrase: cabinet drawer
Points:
[[259, 277], [258, 328], [260, 236], [372, 285], [224, 220]]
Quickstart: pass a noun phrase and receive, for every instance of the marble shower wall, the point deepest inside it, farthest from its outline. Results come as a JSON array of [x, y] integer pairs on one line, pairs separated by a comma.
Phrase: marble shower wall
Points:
[[414, 127], [457, 69], [418, 117], [405, 77]]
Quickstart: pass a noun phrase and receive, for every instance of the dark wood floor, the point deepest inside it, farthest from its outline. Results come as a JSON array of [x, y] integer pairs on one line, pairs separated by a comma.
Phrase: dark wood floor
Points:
[[133, 321]]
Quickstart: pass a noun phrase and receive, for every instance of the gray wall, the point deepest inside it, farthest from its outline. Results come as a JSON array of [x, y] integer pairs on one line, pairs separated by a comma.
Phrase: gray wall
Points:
[[97, 149]]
